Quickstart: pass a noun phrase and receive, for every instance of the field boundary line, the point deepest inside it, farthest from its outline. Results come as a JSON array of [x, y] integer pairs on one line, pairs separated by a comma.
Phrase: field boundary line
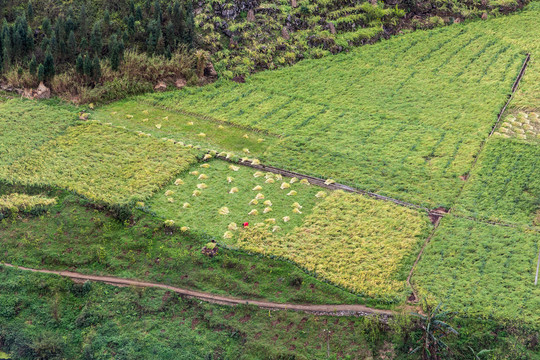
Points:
[[330, 310], [323, 183], [482, 145]]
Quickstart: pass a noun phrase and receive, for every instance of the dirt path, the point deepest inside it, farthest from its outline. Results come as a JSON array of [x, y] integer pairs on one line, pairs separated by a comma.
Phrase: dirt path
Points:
[[332, 310]]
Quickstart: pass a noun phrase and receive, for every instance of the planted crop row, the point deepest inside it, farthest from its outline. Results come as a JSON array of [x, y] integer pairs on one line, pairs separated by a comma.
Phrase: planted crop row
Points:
[[481, 270], [102, 163], [505, 185], [404, 117]]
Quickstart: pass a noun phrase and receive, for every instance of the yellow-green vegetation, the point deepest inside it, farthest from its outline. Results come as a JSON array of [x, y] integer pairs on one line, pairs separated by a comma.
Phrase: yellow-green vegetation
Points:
[[505, 184], [216, 198], [482, 270], [522, 125], [404, 117], [25, 125], [21, 202], [195, 130], [103, 163], [361, 244]]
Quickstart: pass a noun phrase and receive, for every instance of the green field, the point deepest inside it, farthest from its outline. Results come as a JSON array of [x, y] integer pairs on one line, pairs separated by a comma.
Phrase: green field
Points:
[[218, 199], [482, 270], [102, 163], [404, 117], [505, 185], [26, 125]]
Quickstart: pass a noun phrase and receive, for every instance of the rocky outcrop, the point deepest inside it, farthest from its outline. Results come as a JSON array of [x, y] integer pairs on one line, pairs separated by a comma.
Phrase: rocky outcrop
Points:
[[161, 86]]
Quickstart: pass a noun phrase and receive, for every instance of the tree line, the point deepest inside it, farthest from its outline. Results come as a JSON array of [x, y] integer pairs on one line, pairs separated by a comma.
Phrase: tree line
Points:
[[45, 48]]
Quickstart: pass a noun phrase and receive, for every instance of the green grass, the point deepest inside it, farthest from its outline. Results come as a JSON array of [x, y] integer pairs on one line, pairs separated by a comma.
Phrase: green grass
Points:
[[73, 235], [25, 125], [482, 270], [361, 244], [49, 317], [505, 185], [184, 127], [404, 117], [103, 163], [203, 217]]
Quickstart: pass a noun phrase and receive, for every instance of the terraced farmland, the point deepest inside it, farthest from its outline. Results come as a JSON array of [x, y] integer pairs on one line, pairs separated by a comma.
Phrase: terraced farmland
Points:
[[403, 117]]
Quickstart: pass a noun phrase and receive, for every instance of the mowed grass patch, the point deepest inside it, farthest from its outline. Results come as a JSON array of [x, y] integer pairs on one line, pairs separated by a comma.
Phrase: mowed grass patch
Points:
[[482, 270], [505, 185], [404, 117], [25, 125], [103, 163], [198, 131], [364, 245], [216, 198]]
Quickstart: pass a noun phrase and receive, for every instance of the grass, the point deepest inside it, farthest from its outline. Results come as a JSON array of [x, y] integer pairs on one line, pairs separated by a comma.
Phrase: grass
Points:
[[358, 243], [505, 185], [74, 235], [47, 317], [26, 125], [482, 270], [103, 163], [140, 116], [404, 117], [202, 213], [21, 202]]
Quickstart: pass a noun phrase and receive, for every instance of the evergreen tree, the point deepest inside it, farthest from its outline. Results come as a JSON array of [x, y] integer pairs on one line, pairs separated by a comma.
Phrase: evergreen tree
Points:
[[45, 44], [189, 29], [83, 25], [30, 11], [106, 21], [33, 65], [69, 25], [157, 11], [138, 13], [131, 24], [131, 7], [71, 46], [48, 65], [170, 40], [96, 42], [178, 19], [79, 65], [83, 45], [114, 52], [88, 66], [6, 57], [96, 70], [46, 27], [148, 7], [41, 73]]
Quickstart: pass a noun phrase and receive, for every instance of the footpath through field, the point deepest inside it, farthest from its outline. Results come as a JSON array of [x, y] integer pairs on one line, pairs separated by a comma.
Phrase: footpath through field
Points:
[[330, 310]]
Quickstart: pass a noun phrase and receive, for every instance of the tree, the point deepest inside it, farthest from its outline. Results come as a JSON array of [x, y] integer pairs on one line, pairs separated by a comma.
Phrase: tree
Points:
[[33, 65], [96, 70], [96, 42], [189, 25], [71, 46], [30, 11], [434, 328], [114, 52], [83, 25], [138, 13], [88, 66], [41, 73], [46, 27], [48, 65], [79, 65]]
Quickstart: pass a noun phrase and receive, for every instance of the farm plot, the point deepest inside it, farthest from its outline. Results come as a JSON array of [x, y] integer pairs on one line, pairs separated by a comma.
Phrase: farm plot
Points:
[[482, 270], [25, 125], [505, 186], [207, 133], [521, 125], [403, 117], [217, 198], [103, 164], [363, 245]]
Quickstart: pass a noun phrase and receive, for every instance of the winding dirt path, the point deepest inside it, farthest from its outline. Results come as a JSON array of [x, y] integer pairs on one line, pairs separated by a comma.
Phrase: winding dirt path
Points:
[[332, 310]]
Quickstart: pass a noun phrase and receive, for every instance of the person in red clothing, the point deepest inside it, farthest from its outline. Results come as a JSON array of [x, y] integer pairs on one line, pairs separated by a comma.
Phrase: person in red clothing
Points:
[[246, 224]]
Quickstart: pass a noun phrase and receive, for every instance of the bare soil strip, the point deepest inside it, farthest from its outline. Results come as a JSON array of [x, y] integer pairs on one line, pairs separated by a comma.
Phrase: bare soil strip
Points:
[[331, 310]]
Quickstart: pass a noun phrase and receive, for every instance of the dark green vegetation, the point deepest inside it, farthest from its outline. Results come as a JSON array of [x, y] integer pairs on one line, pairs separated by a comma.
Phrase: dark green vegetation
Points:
[[85, 45], [483, 270]]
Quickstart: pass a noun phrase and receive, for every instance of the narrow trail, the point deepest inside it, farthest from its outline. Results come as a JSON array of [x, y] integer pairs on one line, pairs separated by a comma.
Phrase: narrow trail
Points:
[[330, 310]]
